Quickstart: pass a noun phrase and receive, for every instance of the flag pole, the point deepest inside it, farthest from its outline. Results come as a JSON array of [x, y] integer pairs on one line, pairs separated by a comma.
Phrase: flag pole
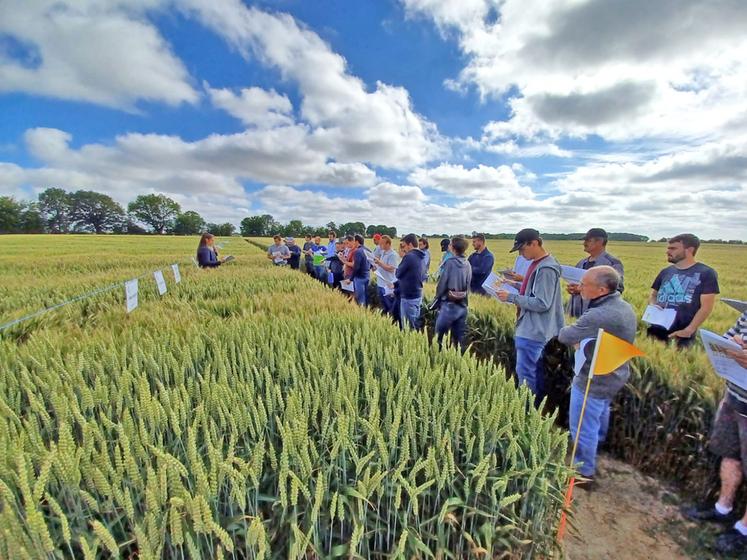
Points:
[[569, 492]]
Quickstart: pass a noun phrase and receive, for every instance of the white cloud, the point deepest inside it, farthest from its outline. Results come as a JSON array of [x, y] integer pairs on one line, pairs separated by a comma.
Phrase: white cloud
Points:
[[254, 106], [621, 70], [481, 182], [350, 123], [89, 50]]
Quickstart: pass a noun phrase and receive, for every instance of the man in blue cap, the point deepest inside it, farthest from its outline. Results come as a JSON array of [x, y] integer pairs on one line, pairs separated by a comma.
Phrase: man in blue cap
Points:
[[540, 309]]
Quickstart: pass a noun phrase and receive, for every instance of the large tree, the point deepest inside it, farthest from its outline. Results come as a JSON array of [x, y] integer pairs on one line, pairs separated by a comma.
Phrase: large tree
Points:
[[155, 210], [189, 223], [222, 230], [258, 226], [96, 212], [55, 206], [10, 214], [31, 218]]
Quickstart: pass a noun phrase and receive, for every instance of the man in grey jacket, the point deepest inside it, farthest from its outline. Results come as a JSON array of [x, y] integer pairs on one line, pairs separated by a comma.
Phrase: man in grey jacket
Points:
[[606, 310], [451, 294], [540, 309], [595, 243]]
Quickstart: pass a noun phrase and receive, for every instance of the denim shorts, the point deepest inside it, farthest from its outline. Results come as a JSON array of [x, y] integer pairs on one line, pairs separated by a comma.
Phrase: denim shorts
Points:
[[729, 433]]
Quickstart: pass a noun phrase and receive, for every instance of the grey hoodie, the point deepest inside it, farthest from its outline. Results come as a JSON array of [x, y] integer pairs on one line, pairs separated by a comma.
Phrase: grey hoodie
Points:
[[456, 275], [541, 307], [615, 316]]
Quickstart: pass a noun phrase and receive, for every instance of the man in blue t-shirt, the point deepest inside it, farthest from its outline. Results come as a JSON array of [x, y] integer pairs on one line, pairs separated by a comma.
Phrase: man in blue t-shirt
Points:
[[688, 286], [481, 262]]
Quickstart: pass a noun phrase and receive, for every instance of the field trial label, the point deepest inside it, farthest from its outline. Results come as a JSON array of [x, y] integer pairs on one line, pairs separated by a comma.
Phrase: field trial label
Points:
[[177, 274], [131, 294], [160, 282]]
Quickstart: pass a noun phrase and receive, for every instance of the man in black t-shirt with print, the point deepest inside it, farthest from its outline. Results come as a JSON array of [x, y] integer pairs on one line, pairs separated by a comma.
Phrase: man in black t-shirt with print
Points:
[[688, 286]]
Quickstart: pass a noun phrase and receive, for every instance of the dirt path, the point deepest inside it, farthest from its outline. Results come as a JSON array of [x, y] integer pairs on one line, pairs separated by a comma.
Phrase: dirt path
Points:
[[626, 517]]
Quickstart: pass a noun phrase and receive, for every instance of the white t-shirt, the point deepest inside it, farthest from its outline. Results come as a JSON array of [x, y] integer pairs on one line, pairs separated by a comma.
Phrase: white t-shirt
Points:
[[385, 278]]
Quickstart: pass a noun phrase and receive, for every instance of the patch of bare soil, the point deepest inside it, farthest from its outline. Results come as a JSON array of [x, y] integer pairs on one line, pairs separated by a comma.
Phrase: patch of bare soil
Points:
[[627, 516]]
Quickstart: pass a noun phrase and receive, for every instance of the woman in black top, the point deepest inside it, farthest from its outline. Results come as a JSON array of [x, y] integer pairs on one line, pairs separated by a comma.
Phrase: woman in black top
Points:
[[206, 257]]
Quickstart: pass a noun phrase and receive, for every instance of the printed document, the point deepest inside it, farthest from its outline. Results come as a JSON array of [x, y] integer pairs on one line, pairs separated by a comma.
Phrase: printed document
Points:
[[718, 348], [571, 274], [657, 316]]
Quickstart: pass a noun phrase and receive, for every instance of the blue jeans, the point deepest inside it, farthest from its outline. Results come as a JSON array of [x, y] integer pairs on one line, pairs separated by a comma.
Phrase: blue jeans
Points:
[[321, 273], [529, 367], [593, 429], [387, 302], [409, 312], [361, 290], [452, 317]]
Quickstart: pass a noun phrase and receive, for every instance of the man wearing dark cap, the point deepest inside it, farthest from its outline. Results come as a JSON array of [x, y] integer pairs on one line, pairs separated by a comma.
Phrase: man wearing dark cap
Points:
[[481, 262], [595, 243], [540, 308]]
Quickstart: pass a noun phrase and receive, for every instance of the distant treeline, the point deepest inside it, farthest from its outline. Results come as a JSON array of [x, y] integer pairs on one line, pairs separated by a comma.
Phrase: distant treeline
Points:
[[60, 211], [571, 236]]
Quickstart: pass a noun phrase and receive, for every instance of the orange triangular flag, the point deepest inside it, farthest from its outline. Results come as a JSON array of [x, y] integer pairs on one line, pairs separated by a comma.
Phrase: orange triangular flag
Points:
[[612, 353]]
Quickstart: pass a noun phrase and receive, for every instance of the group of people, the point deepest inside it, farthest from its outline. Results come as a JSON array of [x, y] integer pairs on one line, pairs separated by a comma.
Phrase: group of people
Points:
[[533, 286]]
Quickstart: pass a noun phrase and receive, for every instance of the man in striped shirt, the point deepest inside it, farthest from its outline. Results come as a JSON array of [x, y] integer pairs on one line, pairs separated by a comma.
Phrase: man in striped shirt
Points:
[[729, 441]]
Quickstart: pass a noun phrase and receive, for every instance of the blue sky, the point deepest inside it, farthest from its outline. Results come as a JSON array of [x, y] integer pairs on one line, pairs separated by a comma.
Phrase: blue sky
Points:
[[434, 116]]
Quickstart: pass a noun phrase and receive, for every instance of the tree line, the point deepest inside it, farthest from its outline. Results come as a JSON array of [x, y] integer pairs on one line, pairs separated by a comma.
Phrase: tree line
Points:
[[59, 211], [265, 226]]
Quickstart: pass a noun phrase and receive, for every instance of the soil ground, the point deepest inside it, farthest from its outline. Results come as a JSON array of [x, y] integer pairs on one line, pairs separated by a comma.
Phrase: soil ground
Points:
[[633, 516]]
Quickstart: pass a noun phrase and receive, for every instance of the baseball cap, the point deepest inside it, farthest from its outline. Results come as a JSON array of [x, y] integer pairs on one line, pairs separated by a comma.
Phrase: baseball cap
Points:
[[525, 236], [289, 239], [377, 236], [595, 233]]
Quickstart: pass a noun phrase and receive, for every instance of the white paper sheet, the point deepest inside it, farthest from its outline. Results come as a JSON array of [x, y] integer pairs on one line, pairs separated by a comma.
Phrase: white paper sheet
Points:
[[571, 274], [229, 258], [177, 274], [737, 304], [131, 294], [716, 347], [347, 286], [160, 282], [494, 282], [657, 316], [580, 357]]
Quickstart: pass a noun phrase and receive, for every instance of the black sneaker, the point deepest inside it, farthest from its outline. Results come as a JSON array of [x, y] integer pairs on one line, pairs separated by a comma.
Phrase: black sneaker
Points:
[[587, 483], [731, 542], [707, 512]]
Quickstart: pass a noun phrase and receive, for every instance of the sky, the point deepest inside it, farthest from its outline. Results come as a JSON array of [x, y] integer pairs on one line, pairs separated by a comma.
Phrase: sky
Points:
[[429, 115]]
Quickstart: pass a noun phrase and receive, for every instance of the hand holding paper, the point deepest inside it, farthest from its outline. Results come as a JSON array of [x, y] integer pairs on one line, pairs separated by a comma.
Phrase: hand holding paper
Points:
[[655, 315], [497, 287]]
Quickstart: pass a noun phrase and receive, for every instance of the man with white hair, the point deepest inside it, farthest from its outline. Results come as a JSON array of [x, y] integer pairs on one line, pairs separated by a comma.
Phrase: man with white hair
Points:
[[605, 309]]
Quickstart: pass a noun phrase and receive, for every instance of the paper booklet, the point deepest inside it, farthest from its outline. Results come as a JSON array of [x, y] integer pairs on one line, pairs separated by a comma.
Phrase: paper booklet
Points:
[[229, 258], [571, 274], [657, 316], [739, 305], [347, 286], [580, 355], [725, 366], [494, 282]]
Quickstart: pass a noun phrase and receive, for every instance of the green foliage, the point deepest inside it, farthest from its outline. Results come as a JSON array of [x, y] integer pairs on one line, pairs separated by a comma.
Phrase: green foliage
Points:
[[55, 206], [96, 212], [155, 210], [189, 223], [221, 230]]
